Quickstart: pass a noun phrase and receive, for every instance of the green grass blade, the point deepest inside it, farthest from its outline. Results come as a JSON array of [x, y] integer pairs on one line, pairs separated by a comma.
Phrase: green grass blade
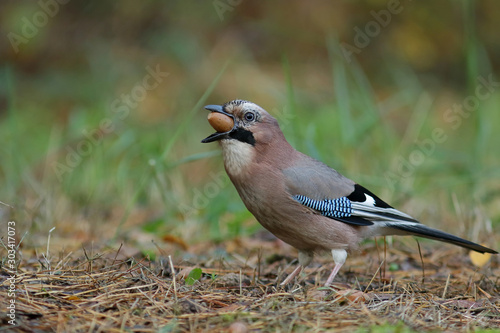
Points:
[[188, 116]]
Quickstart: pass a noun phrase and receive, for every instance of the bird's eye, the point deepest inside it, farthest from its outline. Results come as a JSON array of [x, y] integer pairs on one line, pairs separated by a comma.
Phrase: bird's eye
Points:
[[249, 116]]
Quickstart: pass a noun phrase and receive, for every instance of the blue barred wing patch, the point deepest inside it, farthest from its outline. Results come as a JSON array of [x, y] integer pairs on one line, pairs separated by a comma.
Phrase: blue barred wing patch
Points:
[[340, 207]]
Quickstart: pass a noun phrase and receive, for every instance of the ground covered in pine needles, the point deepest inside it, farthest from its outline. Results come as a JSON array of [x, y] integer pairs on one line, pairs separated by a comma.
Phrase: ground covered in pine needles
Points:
[[234, 287]]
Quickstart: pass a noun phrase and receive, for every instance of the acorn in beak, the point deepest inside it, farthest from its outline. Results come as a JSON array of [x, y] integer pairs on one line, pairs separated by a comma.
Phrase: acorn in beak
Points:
[[221, 121]]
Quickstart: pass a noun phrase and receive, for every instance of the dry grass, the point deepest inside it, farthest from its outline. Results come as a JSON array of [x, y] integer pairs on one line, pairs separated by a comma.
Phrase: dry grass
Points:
[[108, 292]]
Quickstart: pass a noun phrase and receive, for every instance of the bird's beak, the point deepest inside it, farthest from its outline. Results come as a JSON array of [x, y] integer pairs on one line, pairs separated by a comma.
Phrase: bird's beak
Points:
[[218, 135]]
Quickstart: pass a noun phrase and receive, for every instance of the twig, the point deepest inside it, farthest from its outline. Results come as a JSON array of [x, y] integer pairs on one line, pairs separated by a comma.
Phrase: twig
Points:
[[259, 258], [3, 203], [241, 289], [382, 274], [116, 255], [374, 275], [48, 242], [422, 261], [47, 259], [173, 277], [446, 286]]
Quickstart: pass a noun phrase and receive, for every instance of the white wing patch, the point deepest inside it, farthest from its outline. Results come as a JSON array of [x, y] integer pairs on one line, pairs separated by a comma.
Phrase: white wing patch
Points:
[[369, 200]]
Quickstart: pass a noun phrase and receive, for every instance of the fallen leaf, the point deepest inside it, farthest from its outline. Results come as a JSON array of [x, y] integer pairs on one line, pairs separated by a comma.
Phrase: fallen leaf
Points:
[[353, 295], [193, 276], [175, 240], [479, 259], [238, 327], [231, 280], [73, 298], [317, 295], [463, 303], [184, 272]]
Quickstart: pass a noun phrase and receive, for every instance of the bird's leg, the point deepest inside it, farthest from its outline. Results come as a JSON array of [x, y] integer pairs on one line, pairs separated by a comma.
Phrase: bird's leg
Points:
[[339, 257], [292, 275], [333, 274], [305, 259]]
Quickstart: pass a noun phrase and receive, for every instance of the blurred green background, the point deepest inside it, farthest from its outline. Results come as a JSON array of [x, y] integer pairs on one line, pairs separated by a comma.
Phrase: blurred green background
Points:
[[101, 109]]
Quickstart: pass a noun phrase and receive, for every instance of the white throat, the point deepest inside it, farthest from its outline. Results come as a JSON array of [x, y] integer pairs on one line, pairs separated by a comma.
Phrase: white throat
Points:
[[237, 155]]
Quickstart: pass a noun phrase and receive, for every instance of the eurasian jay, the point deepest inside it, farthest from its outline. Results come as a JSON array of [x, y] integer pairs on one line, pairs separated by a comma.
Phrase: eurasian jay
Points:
[[300, 200]]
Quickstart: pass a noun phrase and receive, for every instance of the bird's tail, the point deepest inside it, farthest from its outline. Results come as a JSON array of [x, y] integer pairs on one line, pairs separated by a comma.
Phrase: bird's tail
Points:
[[421, 230]]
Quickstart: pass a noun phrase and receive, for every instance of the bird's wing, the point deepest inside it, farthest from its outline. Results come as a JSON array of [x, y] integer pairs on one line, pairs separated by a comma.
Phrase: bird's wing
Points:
[[316, 180], [361, 208], [315, 185], [327, 192]]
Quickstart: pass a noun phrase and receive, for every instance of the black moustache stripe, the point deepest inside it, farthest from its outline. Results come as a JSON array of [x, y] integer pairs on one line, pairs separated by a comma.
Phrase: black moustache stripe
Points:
[[243, 135]]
